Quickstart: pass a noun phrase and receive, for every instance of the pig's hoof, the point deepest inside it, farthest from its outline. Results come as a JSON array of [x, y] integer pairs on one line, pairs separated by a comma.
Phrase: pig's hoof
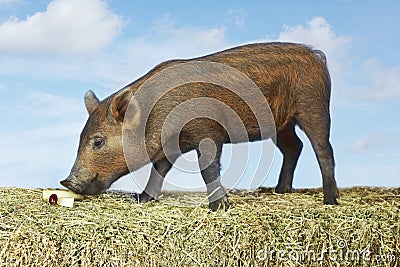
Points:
[[330, 197], [330, 201], [143, 197], [219, 204], [282, 189]]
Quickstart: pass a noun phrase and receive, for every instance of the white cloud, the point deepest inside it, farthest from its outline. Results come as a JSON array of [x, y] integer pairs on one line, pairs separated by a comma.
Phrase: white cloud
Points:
[[166, 39], [381, 82], [320, 34], [163, 41], [66, 27], [378, 141], [366, 143], [125, 60], [384, 82], [237, 16]]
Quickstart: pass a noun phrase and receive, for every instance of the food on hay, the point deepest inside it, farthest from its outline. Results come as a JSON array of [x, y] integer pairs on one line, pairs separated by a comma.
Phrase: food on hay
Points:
[[61, 197]]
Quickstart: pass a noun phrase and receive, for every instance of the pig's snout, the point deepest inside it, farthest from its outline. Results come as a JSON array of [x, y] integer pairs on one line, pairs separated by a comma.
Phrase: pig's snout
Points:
[[84, 186], [70, 184], [66, 183]]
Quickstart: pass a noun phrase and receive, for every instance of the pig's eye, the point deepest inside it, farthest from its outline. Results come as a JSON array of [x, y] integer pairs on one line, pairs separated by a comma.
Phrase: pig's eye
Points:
[[98, 142]]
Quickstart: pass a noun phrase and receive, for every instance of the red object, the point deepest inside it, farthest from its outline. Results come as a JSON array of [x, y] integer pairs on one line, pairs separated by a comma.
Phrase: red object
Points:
[[53, 199]]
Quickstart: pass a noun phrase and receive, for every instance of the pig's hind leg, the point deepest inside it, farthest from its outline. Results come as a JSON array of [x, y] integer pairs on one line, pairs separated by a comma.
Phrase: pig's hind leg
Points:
[[290, 146], [316, 125]]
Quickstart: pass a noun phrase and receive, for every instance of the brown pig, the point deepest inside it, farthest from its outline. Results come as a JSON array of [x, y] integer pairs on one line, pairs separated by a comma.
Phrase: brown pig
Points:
[[293, 82]]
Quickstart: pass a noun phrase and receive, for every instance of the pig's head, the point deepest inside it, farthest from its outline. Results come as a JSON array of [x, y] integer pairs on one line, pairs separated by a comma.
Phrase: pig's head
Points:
[[100, 160]]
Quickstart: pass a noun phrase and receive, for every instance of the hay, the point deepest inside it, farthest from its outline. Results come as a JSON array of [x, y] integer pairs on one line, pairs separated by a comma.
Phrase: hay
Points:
[[260, 229]]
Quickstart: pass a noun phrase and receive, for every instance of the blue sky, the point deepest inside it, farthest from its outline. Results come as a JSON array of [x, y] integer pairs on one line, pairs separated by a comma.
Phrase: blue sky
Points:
[[51, 52]]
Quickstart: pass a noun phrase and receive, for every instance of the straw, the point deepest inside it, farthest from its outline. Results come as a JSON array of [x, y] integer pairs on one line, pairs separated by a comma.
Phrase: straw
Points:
[[260, 229]]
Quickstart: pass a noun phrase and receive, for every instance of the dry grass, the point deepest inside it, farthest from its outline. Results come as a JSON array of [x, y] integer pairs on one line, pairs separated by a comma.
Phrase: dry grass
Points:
[[261, 229]]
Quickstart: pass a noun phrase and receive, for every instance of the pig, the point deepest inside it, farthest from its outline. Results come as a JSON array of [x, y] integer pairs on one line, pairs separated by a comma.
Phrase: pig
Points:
[[295, 84]]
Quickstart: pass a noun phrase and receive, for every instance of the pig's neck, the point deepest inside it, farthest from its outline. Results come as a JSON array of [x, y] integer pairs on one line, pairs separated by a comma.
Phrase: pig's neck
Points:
[[154, 147]]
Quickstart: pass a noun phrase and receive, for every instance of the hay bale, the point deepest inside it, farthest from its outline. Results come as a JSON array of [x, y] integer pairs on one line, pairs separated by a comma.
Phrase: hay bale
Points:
[[260, 229]]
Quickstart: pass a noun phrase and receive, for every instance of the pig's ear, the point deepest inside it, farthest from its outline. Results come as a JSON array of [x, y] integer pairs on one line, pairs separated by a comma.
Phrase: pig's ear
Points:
[[119, 109], [91, 101]]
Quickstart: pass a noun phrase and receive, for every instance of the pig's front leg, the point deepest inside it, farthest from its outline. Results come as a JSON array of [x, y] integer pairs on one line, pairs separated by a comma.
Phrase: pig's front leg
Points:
[[157, 175], [210, 170]]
